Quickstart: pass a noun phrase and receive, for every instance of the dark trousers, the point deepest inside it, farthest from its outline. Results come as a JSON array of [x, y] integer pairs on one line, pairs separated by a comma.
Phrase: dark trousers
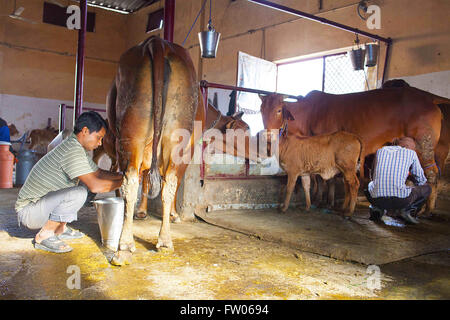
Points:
[[418, 195]]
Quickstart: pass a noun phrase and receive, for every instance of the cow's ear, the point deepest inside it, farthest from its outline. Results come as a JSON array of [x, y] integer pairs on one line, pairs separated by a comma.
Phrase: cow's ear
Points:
[[287, 115], [229, 125], [238, 115]]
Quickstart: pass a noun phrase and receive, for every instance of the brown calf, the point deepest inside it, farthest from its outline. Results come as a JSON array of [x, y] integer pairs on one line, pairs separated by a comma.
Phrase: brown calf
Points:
[[41, 137], [13, 130], [325, 155]]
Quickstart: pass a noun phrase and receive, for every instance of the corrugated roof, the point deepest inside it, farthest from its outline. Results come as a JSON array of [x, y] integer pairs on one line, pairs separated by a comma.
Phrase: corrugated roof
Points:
[[125, 6]]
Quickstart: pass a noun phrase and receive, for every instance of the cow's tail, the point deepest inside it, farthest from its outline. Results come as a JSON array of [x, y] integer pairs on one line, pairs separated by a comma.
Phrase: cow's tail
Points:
[[361, 157], [159, 83]]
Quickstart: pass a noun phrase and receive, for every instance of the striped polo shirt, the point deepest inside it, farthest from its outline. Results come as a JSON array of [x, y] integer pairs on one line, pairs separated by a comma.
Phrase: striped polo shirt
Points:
[[58, 169], [393, 164]]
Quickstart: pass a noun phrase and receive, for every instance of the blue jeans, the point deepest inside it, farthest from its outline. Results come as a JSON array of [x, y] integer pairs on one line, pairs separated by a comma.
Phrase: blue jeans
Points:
[[59, 206]]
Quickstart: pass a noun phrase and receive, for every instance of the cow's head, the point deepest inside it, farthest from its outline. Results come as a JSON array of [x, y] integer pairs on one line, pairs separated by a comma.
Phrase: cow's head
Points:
[[271, 110], [269, 138], [236, 122], [13, 130]]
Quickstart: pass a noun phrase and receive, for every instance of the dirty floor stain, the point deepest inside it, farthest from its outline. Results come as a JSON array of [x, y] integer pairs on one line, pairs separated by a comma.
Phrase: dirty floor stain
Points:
[[208, 263]]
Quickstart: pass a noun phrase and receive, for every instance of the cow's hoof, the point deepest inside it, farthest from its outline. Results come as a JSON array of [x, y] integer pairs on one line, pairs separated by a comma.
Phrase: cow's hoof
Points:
[[347, 217], [121, 258], [175, 218], [127, 247], [140, 216], [283, 208], [164, 246]]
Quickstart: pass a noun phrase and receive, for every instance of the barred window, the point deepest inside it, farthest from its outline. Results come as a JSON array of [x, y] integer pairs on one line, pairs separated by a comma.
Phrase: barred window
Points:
[[331, 74]]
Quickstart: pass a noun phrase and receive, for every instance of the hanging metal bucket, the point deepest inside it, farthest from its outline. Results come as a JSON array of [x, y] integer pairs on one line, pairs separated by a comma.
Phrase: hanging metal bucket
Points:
[[209, 41], [357, 58], [372, 54], [110, 213]]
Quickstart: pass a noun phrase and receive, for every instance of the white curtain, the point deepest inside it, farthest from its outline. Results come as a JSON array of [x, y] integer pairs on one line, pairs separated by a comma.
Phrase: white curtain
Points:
[[254, 73]]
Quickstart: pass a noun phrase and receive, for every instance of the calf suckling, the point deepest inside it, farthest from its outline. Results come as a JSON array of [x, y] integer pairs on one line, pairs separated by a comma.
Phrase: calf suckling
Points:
[[325, 155]]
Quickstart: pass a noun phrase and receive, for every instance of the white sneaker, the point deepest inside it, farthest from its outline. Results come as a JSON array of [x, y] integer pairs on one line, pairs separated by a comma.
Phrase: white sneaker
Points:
[[391, 221]]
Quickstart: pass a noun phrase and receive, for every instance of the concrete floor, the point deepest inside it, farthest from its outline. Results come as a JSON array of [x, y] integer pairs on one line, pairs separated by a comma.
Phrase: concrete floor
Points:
[[209, 262]]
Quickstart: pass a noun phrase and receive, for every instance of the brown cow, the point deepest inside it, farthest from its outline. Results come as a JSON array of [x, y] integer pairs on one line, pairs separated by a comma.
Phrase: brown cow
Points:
[[155, 93], [41, 137], [214, 119], [443, 146], [377, 116], [325, 155], [12, 130]]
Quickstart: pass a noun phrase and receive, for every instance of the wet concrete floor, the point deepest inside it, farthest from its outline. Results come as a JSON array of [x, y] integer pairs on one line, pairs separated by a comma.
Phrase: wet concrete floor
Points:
[[209, 262]]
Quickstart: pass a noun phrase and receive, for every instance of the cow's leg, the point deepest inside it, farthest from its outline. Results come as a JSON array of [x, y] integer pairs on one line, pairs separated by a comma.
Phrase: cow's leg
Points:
[[331, 191], [306, 183], [292, 179], [425, 151], [143, 205], [353, 186], [174, 217], [180, 171], [322, 184], [167, 196], [114, 167], [346, 202], [315, 188], [441, 152], [129, 188]]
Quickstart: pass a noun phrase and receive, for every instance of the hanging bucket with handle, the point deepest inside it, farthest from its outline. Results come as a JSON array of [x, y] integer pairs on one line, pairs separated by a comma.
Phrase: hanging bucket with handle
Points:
[[371, 54], [357, 58], [209, 41]]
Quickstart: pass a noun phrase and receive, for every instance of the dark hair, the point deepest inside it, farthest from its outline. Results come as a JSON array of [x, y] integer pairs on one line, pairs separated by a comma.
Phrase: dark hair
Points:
[[3, 123], [91, 120]]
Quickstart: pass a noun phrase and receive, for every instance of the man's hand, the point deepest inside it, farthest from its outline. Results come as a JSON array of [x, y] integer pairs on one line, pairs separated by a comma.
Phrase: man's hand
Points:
[[102, 181]]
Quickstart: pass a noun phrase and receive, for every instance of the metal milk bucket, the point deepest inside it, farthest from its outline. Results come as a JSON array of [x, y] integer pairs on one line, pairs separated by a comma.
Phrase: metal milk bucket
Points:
[[371, 54], [110, 213], [209, 41], [357, 58], [26, 161]]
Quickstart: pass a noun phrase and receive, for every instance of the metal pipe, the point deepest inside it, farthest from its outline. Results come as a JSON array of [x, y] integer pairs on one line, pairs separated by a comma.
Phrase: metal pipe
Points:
[[221, 176], [169, 18], [87, 108], [319, 19], [204, 91], [386, 60], [79, 79], [207, 84], [62, 117]]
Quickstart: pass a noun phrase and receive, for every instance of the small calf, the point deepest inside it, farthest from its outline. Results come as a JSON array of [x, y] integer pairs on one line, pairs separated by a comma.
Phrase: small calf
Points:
[[326, 155], [41, 137], [13, 130]]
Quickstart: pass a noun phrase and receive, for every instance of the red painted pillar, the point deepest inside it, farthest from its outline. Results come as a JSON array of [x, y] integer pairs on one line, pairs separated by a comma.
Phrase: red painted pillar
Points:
[[79, 78], [169, 19]]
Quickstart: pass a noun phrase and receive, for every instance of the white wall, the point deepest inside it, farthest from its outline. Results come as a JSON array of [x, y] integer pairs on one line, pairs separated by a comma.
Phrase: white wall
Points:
[[437, 82], [28, 113]]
